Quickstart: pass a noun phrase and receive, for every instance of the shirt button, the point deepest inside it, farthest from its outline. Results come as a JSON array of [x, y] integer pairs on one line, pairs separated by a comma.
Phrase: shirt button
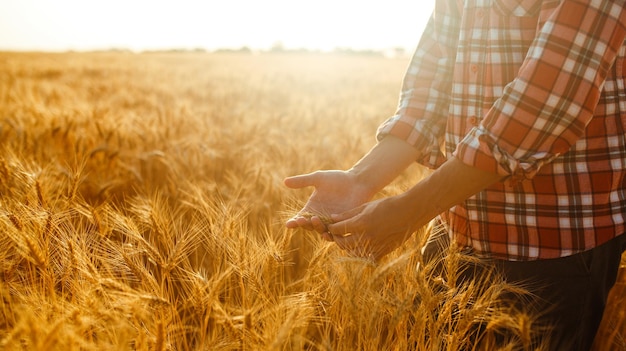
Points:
[[473, 120], [479, 13], [474, 68]]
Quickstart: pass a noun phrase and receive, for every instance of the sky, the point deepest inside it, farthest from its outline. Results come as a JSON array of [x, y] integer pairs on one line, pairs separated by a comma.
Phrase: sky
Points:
[[61, 25]]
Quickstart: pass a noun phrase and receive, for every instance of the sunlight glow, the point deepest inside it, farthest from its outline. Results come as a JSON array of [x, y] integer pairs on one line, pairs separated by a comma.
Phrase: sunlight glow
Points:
[[145, 25]]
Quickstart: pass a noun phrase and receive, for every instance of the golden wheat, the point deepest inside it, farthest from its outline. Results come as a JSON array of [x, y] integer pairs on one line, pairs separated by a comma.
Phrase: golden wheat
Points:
[[142, 208]]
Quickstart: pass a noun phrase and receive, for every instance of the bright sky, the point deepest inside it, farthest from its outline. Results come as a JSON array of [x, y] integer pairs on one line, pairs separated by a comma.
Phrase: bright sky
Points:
[[59, 25]]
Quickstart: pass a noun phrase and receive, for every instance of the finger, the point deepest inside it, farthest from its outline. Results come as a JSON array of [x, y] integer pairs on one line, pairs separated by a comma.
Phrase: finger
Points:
[[291, 223], [338, 229], [300, 181], [346, 215], [311, 223], [318, 225], [346, 224], [305, 223], [299, 222]]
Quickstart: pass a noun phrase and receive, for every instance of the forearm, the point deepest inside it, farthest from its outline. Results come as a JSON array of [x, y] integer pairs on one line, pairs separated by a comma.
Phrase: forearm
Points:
[[449, 185], [383, 163], [380, 226]]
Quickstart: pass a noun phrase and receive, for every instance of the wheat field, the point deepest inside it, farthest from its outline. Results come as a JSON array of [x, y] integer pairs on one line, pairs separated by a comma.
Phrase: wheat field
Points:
[[142, 208]]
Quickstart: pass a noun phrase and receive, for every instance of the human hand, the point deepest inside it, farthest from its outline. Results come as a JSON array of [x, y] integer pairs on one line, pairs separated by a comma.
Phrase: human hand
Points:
[[373, 229], [335, 192]]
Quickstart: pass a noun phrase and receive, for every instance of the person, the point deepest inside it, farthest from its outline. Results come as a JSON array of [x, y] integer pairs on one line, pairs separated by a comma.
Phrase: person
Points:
[[520, 107]]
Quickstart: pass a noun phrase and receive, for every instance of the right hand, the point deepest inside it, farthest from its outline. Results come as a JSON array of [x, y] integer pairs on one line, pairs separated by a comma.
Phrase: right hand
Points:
[[335, 192]]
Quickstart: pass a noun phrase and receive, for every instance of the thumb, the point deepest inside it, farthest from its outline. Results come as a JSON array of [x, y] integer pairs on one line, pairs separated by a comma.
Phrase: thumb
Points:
[[301, 181]]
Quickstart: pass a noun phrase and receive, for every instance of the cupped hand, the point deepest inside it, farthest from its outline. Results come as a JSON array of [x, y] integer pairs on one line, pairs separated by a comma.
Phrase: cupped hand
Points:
[[334, 192], [373, 229]]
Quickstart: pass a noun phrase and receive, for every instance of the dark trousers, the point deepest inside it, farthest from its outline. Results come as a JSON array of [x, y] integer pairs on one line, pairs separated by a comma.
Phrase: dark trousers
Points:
[[569, 293]]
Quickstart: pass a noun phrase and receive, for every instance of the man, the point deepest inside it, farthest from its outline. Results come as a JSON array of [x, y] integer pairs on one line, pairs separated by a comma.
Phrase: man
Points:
[[520, 105]]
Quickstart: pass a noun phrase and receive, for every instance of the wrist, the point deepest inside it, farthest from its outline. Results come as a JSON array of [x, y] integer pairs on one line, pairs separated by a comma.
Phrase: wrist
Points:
[[448, 186], [383, 163], [364, 182]]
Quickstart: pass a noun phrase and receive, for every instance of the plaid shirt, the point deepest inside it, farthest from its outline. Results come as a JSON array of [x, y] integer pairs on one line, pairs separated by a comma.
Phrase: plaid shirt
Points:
[[533, 90]]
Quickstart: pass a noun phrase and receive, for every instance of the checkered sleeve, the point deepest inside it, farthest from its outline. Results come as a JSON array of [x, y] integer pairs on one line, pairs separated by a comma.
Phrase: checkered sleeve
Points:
[[547, 107], [420, 118]]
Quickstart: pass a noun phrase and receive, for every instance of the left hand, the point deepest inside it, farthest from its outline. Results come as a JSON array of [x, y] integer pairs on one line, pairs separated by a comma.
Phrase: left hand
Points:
[[374, 229]]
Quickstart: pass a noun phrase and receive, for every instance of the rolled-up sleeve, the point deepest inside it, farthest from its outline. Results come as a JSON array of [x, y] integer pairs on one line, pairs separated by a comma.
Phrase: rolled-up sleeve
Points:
[[547, 107], [420, 118]]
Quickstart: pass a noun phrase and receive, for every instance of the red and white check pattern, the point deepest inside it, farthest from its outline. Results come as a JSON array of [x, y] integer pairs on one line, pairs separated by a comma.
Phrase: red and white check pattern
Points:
[[531, 89]]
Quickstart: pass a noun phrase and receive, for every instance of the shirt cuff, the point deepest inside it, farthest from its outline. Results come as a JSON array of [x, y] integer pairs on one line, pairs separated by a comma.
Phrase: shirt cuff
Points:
[[479, 149]]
